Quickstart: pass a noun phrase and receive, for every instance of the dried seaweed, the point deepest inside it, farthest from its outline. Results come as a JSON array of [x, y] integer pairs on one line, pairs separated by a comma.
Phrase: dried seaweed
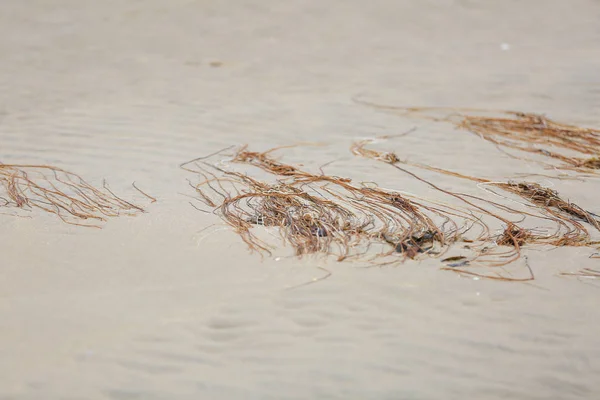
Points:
[[515, 236], [567, 216], [576, 148], [62, 193], [527, 132], [319, 213], [498, 277], [544, 199], [584, 273]]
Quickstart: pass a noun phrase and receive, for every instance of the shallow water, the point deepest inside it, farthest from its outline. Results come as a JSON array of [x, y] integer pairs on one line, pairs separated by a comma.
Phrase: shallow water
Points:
[[153, 307]]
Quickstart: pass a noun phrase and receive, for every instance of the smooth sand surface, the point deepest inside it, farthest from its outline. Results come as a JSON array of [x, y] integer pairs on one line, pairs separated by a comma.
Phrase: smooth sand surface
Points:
[[151, 307]]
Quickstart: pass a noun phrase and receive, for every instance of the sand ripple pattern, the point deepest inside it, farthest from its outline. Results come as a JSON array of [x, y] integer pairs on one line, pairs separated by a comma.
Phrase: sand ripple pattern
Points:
[[153, 308]]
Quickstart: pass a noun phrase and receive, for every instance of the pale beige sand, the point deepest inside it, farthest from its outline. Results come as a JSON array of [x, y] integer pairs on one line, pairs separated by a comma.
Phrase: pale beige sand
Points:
[[145, 309]]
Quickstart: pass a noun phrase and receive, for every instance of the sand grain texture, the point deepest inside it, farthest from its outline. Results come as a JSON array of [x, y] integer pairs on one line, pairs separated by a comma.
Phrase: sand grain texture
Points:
[[151, 307]]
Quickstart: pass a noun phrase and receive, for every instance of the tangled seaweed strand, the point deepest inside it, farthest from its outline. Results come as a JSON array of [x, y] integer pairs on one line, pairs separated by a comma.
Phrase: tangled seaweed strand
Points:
[[567, 216], [545, 199], [584, 273], [525, 132], [62, 193], [322, 213]]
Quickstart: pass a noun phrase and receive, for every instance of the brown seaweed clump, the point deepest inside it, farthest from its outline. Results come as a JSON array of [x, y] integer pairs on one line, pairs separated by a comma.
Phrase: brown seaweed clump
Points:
[[590, 163], [62, 193], [550, 201], [319, 213], [515, 236], [360, 149], [526, 132], [568, 218], [577, 148]]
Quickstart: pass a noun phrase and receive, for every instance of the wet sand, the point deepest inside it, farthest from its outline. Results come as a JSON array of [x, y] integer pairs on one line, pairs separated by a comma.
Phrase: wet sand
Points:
[[151, 307]]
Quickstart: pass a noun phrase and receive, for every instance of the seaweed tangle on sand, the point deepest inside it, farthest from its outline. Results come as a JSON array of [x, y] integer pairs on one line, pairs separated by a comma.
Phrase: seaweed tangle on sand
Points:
[[539, 135], [575, 148], [569, 219], [60, 192], [319, 213], [326, 214]]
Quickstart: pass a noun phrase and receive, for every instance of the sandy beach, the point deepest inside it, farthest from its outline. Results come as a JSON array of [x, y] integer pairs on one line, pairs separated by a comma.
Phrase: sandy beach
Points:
[[170, 304]]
